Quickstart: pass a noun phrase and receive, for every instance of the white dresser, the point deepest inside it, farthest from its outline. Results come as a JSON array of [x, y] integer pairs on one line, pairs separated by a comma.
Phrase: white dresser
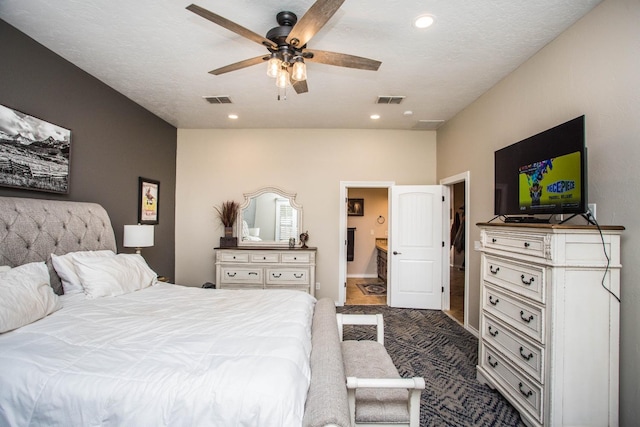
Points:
[[549, 330], [266, 268]]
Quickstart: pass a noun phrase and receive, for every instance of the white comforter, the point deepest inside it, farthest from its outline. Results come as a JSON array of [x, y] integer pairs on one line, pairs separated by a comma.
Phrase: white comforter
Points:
[[166, 355]]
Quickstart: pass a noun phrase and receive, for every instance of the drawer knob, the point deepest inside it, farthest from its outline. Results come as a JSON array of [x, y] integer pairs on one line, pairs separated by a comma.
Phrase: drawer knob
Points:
[[231, 274], [526, 282], [493, 334], [264, 257], [525, 356], [277, 276], [525, 394], [494, 271], [494, 240], [526, 244], [494, 302], [493, 364], [526, 319], [295, 258]]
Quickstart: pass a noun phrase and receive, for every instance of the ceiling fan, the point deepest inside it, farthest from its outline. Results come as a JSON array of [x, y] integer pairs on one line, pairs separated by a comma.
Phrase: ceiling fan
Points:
[[287, 45]]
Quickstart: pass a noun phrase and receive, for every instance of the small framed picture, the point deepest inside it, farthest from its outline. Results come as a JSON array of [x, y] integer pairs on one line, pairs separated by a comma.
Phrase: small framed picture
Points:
[[148, 201], [355, 207]]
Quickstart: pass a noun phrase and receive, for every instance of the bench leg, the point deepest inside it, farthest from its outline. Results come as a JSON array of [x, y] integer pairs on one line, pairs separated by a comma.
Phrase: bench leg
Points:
[[414, 385]]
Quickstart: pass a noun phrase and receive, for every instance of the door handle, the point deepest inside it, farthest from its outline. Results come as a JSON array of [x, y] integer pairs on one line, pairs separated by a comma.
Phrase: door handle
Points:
[[397, 253]]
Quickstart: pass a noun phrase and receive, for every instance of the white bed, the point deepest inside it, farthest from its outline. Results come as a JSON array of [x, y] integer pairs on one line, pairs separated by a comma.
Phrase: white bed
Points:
[[160, 355]]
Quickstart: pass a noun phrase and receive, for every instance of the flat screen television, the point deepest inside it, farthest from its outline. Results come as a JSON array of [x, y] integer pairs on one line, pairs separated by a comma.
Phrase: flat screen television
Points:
[[544, 174]]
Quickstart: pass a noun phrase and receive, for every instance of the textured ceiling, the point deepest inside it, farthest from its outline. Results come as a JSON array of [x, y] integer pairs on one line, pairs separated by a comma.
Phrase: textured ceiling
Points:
[[159, 54]]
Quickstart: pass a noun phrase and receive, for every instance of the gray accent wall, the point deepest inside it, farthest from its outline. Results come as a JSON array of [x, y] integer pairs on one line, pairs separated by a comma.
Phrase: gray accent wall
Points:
[[113, 140]]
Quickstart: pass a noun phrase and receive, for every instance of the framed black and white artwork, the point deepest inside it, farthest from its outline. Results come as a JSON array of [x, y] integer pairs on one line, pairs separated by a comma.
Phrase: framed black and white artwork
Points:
[[34, 154]]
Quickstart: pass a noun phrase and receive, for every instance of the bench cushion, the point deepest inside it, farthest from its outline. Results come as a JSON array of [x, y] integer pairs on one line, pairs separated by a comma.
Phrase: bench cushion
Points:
[[327, 401], [369, 359]]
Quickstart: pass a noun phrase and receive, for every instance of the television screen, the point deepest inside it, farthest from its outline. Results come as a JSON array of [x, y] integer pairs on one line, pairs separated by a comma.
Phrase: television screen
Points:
[[543, 174]]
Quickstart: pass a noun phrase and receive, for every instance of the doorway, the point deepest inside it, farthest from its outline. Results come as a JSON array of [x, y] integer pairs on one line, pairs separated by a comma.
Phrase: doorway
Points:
[[348, 189], [457, 308], [367, 231], [419, 259]]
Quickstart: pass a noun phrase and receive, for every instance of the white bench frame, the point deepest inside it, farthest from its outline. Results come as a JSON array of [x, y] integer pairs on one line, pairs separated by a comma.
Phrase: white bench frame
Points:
[[414, 385]]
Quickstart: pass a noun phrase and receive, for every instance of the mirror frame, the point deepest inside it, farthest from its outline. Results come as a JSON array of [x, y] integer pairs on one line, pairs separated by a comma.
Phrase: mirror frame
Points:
[[247, 201]]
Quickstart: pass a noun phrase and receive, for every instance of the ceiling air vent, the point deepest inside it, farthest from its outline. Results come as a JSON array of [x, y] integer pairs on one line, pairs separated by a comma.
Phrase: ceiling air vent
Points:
[[390, 99], [221, 99], [428, 124]]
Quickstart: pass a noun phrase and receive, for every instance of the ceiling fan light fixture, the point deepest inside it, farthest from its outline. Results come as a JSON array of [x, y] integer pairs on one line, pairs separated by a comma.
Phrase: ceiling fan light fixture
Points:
[[273, 65], [282, 79], [299, 72]]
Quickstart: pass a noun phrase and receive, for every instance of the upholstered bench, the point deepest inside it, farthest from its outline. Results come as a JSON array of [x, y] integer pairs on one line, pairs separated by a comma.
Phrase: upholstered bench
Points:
[[355, 382], [377, 394]]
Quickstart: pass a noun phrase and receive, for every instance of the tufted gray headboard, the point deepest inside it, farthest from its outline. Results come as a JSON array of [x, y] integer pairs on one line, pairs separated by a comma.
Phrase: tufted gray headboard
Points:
[[32, 229]]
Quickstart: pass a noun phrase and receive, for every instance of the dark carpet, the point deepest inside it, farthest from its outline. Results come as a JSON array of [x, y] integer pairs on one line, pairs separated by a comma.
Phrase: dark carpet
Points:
[[429, 344]]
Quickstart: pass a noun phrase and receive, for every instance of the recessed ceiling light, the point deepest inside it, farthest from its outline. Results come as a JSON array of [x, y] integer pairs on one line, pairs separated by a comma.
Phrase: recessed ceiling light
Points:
[[423, 21], [375, 116], [233, 116]]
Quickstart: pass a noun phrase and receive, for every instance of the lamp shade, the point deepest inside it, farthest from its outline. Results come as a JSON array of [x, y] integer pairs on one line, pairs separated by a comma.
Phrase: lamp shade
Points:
[[138, 236]]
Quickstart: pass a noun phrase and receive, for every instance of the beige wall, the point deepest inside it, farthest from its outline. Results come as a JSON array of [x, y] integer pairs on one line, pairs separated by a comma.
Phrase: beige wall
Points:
[[218, 165], [376, 203], [593, 69]]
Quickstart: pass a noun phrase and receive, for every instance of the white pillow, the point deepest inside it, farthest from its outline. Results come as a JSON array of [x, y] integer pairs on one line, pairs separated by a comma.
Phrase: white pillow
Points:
[[116, 275], [4, 268], [25, 296], [64, 266]]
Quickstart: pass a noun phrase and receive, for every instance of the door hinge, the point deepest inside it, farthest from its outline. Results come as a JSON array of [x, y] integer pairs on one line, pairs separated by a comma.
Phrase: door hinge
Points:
[[443, 243], [443, 198], [443, 289]]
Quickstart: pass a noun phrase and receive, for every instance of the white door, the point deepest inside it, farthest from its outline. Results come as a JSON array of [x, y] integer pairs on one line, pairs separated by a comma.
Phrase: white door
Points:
[[415, 252]]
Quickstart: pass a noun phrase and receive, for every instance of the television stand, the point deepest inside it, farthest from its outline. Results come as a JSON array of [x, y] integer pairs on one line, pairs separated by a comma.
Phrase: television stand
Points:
[[586, 216], [526, 220]]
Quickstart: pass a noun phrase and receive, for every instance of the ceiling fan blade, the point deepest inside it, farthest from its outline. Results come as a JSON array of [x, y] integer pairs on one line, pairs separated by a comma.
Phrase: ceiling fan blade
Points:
[[239, 65], [312, 21], [231, 26], [300, 86], [343, 60]]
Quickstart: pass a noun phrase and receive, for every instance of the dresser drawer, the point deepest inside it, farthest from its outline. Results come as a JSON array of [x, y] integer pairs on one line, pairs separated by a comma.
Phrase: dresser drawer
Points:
[[276, 276], [265, 258], [241, 275], [523, 279], [224, 256], [527, 393], [527, 355], [530, 244], [527, 318], [293, 258]]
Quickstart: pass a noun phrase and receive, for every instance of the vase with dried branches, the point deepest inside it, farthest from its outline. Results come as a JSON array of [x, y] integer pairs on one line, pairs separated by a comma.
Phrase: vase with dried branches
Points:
[[228, 213]]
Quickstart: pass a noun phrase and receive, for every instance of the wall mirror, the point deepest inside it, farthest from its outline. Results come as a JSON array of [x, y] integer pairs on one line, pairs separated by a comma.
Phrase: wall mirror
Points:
[[269, 216]]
